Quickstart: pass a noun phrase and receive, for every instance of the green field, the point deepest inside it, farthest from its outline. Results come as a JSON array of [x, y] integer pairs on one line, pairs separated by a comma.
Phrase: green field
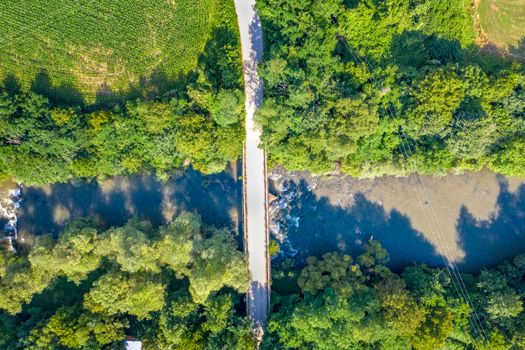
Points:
[[503, 21], [101, 45]]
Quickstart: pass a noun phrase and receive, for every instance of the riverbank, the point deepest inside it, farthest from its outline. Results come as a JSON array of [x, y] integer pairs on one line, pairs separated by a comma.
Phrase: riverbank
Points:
[[474, 220]]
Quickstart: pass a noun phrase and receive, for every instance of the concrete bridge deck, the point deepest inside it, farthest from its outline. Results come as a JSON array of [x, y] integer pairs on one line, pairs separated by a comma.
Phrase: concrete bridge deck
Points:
[[255, 179]]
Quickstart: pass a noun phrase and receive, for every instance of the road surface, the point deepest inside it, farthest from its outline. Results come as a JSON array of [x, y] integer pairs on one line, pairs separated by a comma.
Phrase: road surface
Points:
[[254, 172]]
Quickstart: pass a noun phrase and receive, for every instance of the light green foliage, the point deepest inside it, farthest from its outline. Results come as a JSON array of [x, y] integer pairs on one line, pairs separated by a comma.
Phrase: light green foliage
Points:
[[502, 300], [116, 292], [330, 321], [436, 98], [175, 246], [216, 263], [273, 247], [510, 158], [131, 247], [401, 310], [19, 284], [501, 304], [156, 116], [434, 331], [3, 264], [226, 108], [218, 310], [374, 258], [73, 328], [334, 271], [74, 255]]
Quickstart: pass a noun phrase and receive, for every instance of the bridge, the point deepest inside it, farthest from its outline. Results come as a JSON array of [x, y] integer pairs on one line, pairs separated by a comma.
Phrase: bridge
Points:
[[255, 179]]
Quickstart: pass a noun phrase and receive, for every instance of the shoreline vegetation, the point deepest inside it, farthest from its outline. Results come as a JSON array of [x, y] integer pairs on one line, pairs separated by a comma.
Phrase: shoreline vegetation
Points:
[[87, 289], [177, 285], [350, 88]]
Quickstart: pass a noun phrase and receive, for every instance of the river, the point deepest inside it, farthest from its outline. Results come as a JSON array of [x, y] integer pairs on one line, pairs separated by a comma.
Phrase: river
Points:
[[47, 209], [472, 220]]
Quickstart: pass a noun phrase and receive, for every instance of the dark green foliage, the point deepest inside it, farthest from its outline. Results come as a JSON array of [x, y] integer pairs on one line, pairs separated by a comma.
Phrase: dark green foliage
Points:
[[386, 87], [342, 305], [87, 290]]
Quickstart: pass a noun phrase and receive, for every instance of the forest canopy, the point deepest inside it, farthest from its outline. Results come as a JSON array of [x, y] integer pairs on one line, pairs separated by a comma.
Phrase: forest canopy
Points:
[[181, 286], [340, 302], [387, 87], [176, 287]]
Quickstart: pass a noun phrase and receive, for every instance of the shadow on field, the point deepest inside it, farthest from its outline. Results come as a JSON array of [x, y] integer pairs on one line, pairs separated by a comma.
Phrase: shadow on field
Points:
[[488, 242], [61, 95], [324, 227], [213, 63], [114, 202], [518, 51], [414, 50]]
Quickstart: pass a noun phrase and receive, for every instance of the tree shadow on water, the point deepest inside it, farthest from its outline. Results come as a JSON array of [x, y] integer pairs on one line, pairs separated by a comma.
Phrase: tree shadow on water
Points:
[[488, 242], [114, 202], [213, 197], [324, 227]]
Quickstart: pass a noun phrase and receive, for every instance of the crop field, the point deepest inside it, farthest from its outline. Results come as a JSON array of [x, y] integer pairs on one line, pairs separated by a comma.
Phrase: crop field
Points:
[[101, 46], [503, 21]]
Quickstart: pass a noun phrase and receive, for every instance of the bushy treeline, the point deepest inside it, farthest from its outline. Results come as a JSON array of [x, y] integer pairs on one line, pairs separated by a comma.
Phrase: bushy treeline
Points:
[[199, 122], [177, 287], [387, 87], [342, 303], [181, 286]]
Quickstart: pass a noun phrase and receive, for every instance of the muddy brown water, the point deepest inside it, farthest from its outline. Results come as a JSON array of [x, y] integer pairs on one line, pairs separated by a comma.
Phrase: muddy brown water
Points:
[[472, 220]]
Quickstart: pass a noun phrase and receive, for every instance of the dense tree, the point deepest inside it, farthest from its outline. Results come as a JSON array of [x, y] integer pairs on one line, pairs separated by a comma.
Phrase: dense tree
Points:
[[417, 309], [386, 87], [176, 287], [73, 328], [116, 293], [215, 264]]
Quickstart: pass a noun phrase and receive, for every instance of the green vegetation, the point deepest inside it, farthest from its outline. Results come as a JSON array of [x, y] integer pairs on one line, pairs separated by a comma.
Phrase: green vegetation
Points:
[[386, 87], [200, 122], [342, 303], [503, 22], [177, 287], [103, 46]]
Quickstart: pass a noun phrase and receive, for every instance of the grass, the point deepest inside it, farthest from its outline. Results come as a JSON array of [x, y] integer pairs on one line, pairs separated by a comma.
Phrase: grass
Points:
[[96, 46], [503, 22]]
